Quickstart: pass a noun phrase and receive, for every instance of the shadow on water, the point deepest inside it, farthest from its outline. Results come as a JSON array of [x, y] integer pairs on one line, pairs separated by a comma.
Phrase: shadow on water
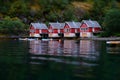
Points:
[[109, 65], [13, 60], [57, 60]]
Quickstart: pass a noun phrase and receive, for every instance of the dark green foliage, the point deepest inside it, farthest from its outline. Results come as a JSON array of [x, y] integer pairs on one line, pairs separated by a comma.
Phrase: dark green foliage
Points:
[[11, 26], [52, 10], [18, 8], [112, 22]]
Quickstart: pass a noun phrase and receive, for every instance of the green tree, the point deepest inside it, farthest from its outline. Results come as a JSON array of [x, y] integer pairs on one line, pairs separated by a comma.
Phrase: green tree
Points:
[[112, 22], [69, 14], [100, 8], [12, 26], [18, 8]]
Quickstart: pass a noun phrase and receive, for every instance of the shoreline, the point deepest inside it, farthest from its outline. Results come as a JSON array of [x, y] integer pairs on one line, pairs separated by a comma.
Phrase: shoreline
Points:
[[69, 38]]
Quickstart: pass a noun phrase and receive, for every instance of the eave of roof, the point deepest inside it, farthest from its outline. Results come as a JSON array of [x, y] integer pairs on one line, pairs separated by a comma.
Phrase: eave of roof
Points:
[[73, 24], [57, 25], [91, 23], [39, 25]]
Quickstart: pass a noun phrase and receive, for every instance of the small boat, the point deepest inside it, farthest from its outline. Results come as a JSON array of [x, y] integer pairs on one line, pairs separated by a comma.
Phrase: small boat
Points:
[[113, 42]]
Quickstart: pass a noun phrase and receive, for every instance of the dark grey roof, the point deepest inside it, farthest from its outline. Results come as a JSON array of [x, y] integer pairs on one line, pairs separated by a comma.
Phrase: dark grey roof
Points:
[[39, 25], [57, 25], [74, 24], [91, 23]]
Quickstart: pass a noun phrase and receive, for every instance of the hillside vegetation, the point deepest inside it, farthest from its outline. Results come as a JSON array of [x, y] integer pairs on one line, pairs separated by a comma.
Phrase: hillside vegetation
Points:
[[27, 11]]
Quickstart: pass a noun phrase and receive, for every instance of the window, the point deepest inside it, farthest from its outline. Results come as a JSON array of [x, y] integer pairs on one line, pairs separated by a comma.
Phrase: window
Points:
[[84, 29], [32, 31], [67, 30]]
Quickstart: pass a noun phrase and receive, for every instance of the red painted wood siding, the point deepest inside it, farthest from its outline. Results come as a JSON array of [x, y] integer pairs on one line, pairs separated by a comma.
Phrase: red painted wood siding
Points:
[[72, 30], [97, 29], [55, 30], [85, 28], [61, 30], [32, 29], [67, 29], [89, 29], [78, 30], [44, 31], [37, 31], [66, 26]]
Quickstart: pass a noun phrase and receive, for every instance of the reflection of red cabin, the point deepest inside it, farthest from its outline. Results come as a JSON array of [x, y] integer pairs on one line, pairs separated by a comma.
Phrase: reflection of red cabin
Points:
[[71, 29], [88, 27], [55, 29], [38, 29]]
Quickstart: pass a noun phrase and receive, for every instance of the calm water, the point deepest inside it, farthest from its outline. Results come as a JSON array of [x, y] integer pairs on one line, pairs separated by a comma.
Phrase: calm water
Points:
[[59, 60]]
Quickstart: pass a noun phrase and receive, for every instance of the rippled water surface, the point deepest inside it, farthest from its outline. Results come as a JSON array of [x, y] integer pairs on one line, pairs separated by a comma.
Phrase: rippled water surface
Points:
[[59, 60]]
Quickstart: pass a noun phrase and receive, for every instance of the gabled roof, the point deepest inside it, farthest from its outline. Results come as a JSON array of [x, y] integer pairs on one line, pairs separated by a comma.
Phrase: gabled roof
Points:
[[91, 23], [57, 25], [43, 26], [39, 25], [74, 24]]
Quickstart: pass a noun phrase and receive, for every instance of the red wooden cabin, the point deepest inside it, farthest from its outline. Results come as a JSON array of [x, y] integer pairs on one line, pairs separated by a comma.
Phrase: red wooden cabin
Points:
[[38, 29], [71, 29], [55, 29], [88, 28]]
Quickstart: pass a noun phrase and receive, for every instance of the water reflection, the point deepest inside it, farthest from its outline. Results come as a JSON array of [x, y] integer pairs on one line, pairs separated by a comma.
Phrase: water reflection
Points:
[[84, 49], [57, 60], [64, 48], [79, 57]]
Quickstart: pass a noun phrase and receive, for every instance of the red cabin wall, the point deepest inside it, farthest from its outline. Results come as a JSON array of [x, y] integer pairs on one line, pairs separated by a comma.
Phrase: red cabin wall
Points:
[[72, 30], [89, 29], [83, 25], [55, 30], [66, 26], [44, 31], [85, 28], [61, 30], [37, 31], [32, 29], [97, 29]]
